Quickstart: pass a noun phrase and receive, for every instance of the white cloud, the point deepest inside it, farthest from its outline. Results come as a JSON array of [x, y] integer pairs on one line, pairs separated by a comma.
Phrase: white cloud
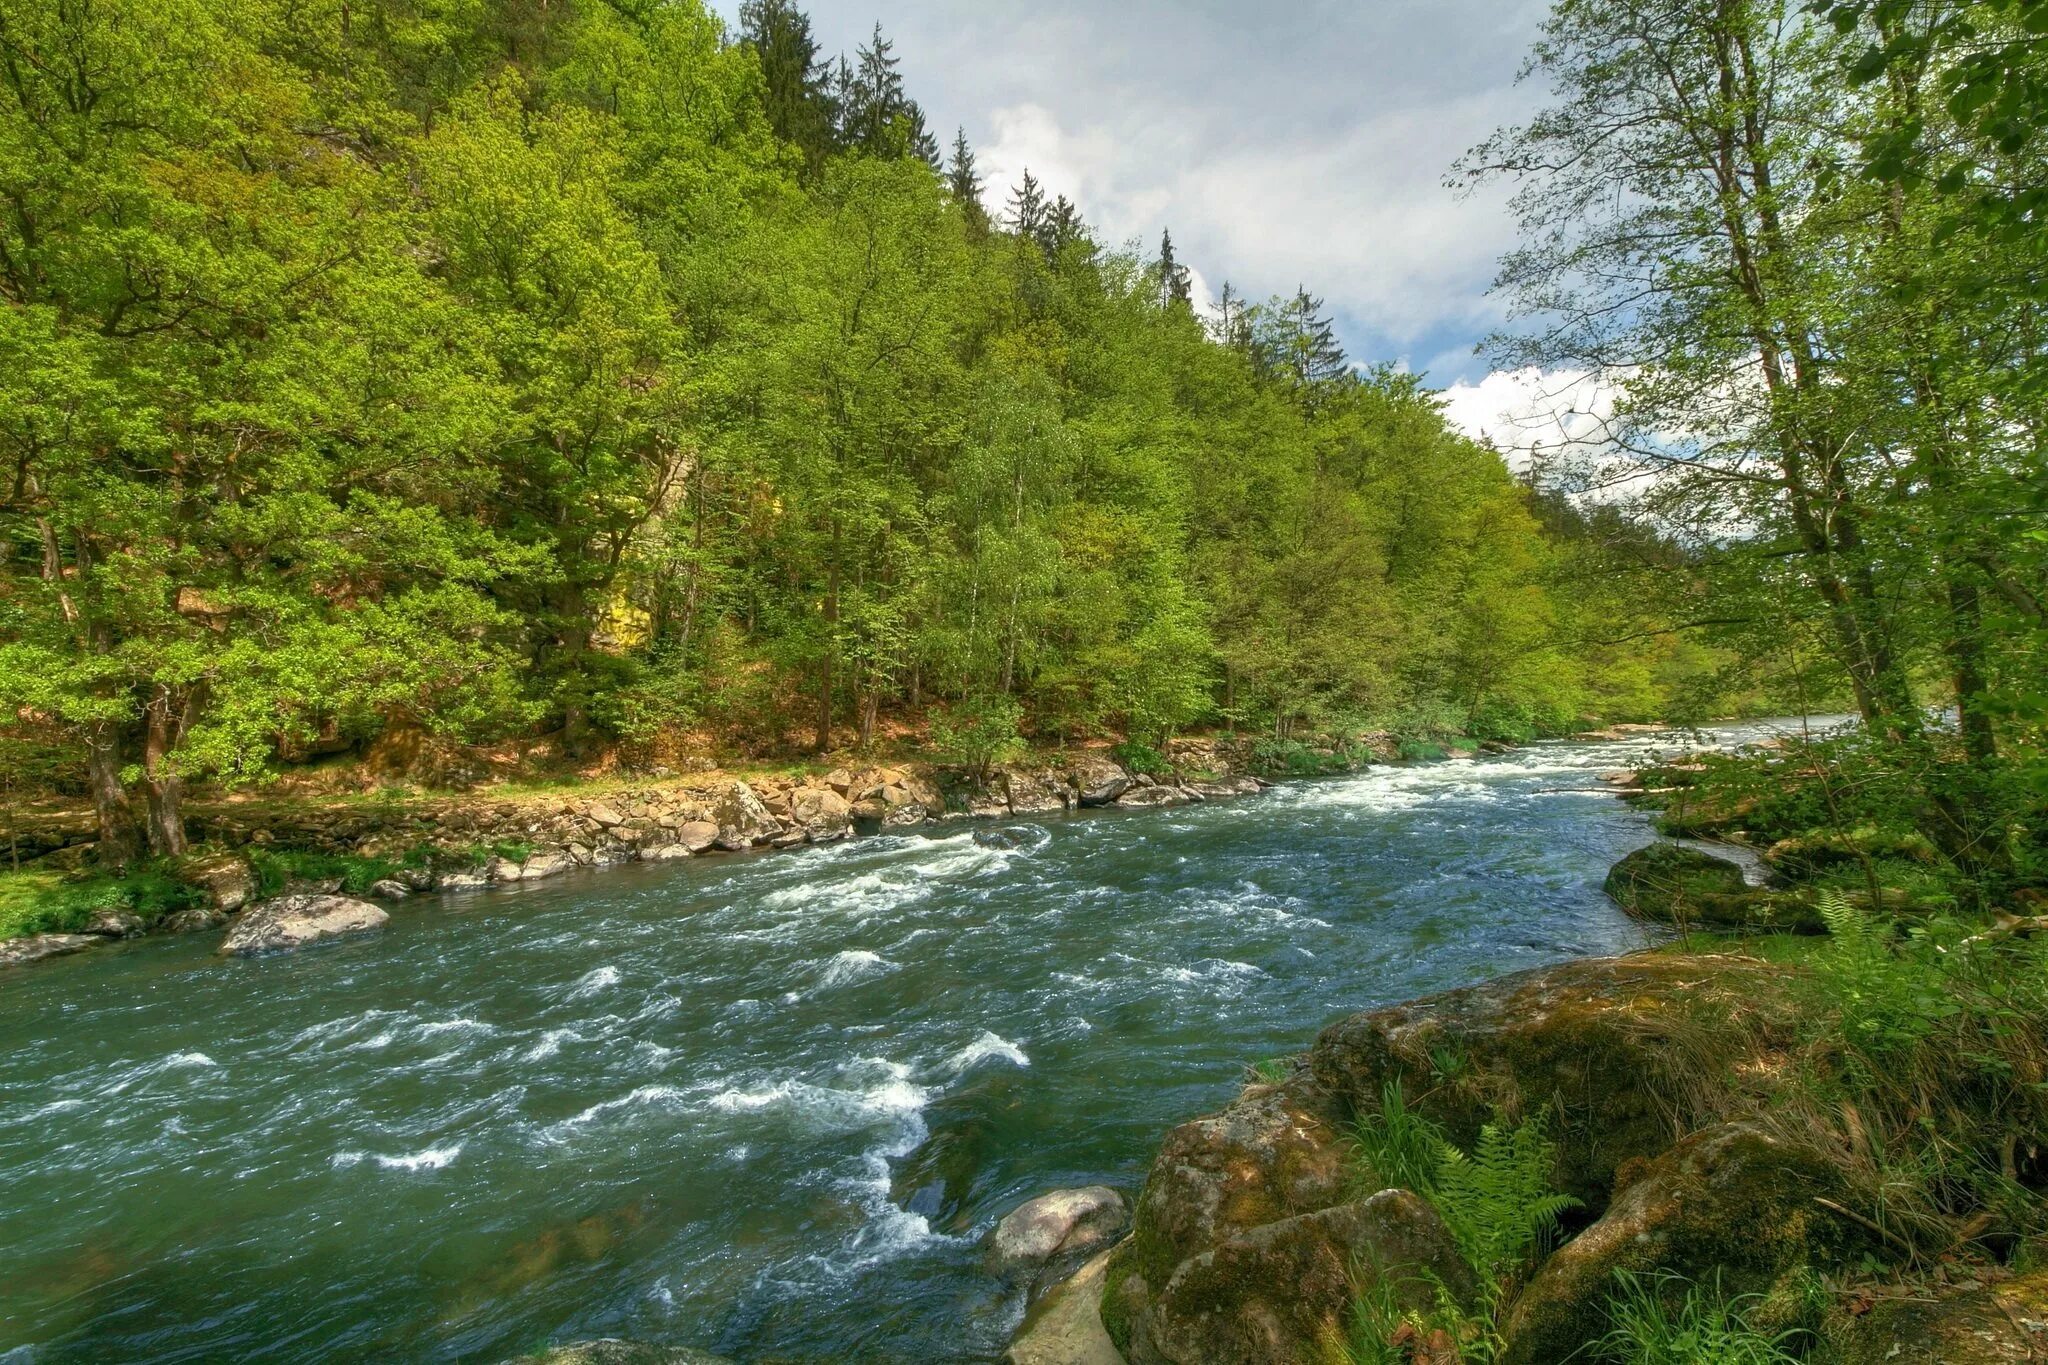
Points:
[[1533, 415]]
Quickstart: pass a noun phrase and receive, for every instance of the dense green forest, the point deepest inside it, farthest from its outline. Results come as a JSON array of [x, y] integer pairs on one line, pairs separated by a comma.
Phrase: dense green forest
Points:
[[592, 371]]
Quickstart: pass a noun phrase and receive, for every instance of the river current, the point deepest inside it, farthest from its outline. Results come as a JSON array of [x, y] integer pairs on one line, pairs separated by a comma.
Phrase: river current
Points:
[[766, 1106]]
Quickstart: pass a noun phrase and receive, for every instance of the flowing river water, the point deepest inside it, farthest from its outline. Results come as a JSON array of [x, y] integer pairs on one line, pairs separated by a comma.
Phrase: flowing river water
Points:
[[765, 1106]]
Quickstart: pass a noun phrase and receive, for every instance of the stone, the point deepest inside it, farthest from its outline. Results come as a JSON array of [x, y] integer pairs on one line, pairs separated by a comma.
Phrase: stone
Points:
[[1035, 793], [1065, 1224], [1097, 781], [1283, 1291], [1990, 1324], [821, 812], [461, 881], [1672, 884], [1611, 1047], [905, 817], [19, 952], [841, 781], [197, 920], [542, 865], [605, 815], [665, 853], [1065, 1328], [227, 880], [291, 922], [389, 890], [114, 924], [697, 836], [1734, 1203], [743, 822], [503, 870], [1154, 796]]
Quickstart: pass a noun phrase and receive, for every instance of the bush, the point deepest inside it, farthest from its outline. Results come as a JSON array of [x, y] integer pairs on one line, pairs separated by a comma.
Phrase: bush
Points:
[[979, 734], [1142, 758]]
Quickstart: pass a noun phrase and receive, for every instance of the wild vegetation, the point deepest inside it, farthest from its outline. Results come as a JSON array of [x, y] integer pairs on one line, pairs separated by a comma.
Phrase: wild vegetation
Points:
[[591, 372]]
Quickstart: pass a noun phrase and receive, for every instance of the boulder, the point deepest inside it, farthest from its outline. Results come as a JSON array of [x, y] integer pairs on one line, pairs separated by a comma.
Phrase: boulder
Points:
[[821, 813], [196, 920], [905, 817], [19, 952], [1055, 1233], [1065, 1328], [1733, 1202], [697, 835], [390, 890], [290, 922], [1673, 884], [1034, 793], [461, 881], [1613, 1048], [605, 815], [504, 870], [1283, 1292], [542, 865], [665, 853], [225, 878], [114, 924], [1988, 1324], [1152, 796], [743, 822], [1098, 782]]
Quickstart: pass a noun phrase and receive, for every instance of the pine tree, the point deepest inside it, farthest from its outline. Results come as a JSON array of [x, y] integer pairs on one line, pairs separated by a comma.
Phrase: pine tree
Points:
[[965, 183], [1174, 284], [1063, 228], [1299, 342], [797, 91], [1027, 209], [922, 144], [878, 101], [1233, 324]]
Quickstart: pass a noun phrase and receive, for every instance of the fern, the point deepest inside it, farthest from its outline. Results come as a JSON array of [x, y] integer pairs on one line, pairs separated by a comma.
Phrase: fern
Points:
[[1498, 1200], [1848, 926]]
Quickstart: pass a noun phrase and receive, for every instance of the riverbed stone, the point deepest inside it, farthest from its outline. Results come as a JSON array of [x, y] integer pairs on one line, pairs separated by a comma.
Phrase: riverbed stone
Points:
[[114, 924], [461, 881], [1735, 1203], [1065, 1226], [19, 952], [1065, 1327], [390, 889], [290, 922], [2002, 1323], [1283, 1291], [821, 813], [743, 821], [543, 865], [1152, 796]]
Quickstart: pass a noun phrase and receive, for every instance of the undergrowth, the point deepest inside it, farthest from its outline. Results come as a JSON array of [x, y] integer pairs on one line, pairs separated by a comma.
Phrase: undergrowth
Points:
[[1498, 1200], [1666, 1320], [39, 902]]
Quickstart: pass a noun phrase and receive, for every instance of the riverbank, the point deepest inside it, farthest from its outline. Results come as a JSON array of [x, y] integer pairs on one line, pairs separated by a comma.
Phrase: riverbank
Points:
[[1811, 1128], [392, 843]]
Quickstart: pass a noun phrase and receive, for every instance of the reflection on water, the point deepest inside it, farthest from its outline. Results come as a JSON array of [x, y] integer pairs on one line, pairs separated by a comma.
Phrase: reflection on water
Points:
[[763, 1105]]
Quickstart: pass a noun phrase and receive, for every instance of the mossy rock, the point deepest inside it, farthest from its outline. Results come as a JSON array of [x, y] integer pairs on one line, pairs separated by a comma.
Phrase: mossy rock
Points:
[[1673, 884], [1992, 1324], [1735, 1203]]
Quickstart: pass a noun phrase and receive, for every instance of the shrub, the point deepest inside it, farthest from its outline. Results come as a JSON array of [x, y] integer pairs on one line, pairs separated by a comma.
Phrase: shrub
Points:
[[1142, 758], [979, 734]]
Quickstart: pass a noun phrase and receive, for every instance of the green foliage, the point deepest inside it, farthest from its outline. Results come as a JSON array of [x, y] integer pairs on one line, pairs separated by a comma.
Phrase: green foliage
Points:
[[276, 868], [35, 902], [1662, 1320], [979, 734], [1396, 1147], [1142, 758]]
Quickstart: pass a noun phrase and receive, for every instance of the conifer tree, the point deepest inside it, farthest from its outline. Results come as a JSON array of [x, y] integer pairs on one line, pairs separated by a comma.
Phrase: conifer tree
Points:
[[797, 84], [1026, 215], [965, 183], [1174, 283]]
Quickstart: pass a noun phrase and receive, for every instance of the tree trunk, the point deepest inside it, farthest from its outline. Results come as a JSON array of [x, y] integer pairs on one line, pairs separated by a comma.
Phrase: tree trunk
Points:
[[120, 839], [166, 719]]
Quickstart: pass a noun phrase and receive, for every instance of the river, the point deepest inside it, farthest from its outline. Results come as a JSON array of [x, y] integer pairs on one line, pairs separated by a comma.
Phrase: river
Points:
[[765, 1106]]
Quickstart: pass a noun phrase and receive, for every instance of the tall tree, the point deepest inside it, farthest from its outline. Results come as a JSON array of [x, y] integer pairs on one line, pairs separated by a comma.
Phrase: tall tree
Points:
[[1175, 287], [964, 181], [797, 92]]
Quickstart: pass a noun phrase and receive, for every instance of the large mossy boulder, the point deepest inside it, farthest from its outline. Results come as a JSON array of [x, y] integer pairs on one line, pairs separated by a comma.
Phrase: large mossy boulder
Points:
[[1988, 1324], [1673, 884], [1734, 1205], [1613, 1050]]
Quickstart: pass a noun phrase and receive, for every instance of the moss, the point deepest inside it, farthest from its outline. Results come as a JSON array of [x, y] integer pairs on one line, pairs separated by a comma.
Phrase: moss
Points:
[[1114, 1311]]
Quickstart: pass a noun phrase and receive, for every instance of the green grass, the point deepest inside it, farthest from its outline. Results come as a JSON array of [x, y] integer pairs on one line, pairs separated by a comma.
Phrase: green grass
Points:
[[277, 868], [51, 902], [1654, 1324]]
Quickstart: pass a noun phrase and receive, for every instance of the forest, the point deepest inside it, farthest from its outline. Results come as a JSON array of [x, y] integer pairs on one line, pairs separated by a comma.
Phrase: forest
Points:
[[591, 374]]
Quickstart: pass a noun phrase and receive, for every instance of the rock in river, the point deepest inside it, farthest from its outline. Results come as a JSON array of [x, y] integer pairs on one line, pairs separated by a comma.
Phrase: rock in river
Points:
[[16, 952], [289, 922], [1066, 1226]]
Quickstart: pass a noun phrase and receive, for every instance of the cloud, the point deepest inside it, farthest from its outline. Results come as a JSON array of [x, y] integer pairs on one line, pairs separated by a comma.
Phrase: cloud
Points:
[[1535, 416], [1302, 144]]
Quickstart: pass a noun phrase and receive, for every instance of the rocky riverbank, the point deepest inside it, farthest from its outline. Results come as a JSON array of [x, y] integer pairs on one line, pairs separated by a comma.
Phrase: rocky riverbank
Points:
[[388, 852]]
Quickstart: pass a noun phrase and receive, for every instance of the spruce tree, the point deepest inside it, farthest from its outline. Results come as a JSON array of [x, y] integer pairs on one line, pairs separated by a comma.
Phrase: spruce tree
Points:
[[1026, 215], [796, 93], [1174, 284], [965, 182]]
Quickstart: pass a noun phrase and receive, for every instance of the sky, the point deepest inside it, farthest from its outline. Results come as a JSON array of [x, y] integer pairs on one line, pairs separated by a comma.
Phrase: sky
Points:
[[1295, 143]]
